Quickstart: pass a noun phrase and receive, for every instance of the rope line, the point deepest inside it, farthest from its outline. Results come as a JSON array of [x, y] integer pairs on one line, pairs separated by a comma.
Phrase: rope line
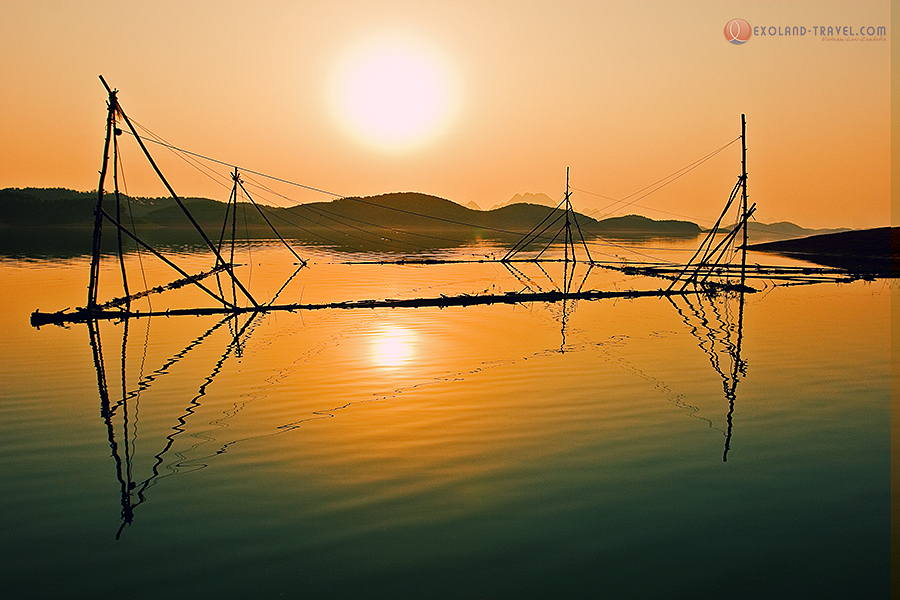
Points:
[[347, 221], [162, 142], [655, 186], [322, 211]]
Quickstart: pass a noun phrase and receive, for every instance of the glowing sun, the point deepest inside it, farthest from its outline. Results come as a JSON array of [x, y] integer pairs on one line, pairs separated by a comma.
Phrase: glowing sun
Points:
[[394, 94]]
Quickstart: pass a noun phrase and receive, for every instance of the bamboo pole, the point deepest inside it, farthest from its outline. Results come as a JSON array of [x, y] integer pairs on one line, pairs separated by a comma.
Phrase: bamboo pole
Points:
[[266, 219], [156, 253], [746, 215], [178, 200], [98, 214], [121, 252]]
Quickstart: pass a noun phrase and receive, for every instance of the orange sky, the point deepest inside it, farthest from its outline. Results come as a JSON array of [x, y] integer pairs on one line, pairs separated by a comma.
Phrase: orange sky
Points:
[[623, 93]]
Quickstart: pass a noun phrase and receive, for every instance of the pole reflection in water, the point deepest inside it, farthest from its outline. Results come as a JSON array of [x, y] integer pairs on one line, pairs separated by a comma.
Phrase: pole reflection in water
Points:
[[568, 277], [719, 334], [712, 321], [132, 492]]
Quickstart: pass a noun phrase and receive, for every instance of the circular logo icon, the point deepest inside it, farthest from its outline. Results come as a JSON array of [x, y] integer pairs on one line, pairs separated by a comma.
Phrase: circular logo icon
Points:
[[737, 31]]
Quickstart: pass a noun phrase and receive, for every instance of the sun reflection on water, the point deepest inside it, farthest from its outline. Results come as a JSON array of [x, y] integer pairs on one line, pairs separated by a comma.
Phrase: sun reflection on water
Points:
[[393, 346]]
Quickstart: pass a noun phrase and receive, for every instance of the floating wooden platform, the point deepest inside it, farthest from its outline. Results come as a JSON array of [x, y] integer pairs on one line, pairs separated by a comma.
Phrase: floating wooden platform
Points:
[[83, 315]]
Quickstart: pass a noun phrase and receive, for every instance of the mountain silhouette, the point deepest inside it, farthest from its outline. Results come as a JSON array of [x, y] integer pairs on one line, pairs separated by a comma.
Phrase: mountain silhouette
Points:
[[401, 221], [528, 198]]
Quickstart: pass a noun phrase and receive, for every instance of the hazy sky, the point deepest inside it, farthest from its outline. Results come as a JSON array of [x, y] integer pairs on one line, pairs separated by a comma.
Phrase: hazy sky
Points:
[[498, 98]]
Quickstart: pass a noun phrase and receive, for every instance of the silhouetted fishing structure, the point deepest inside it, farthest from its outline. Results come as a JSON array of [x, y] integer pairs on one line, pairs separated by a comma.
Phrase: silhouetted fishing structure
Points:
[[711, 270]]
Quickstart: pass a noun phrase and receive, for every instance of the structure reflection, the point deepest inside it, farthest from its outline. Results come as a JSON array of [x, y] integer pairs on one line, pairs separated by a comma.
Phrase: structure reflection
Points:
[[122, 443], [719, 333], [711, 318], [716, 322], [568, 287]]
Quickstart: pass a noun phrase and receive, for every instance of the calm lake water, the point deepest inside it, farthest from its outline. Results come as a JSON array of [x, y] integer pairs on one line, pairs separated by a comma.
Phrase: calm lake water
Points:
[[571, 450]]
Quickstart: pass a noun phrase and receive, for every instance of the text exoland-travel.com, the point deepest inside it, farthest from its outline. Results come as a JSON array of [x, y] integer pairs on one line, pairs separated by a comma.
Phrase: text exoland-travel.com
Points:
[[829, 31]]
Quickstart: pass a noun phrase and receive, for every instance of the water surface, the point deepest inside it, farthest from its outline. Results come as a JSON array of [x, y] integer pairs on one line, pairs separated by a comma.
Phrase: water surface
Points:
[[618, 449]]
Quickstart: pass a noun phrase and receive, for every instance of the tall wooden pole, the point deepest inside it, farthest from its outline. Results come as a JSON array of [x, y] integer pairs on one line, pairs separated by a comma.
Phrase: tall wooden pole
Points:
[[744, 194], [569, 241], [98, 211], [738, 368], [116, 132], [234, 208]]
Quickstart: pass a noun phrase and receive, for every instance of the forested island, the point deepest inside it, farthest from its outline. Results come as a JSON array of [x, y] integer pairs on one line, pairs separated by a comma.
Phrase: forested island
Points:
[[42, 216], [59, 221]]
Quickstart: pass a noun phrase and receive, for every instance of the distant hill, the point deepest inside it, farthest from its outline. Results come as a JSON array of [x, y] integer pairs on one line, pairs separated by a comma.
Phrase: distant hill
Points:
[[41, 207], [37, 207], [401, 221], [58, 222], [416, 212], [529, 198], [870, 251], [638, 225], [52, 206], [785, 230], [782, 230]]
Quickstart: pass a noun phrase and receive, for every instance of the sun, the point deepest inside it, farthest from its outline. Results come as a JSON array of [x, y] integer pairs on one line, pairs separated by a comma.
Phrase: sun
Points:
[[393, 93]]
